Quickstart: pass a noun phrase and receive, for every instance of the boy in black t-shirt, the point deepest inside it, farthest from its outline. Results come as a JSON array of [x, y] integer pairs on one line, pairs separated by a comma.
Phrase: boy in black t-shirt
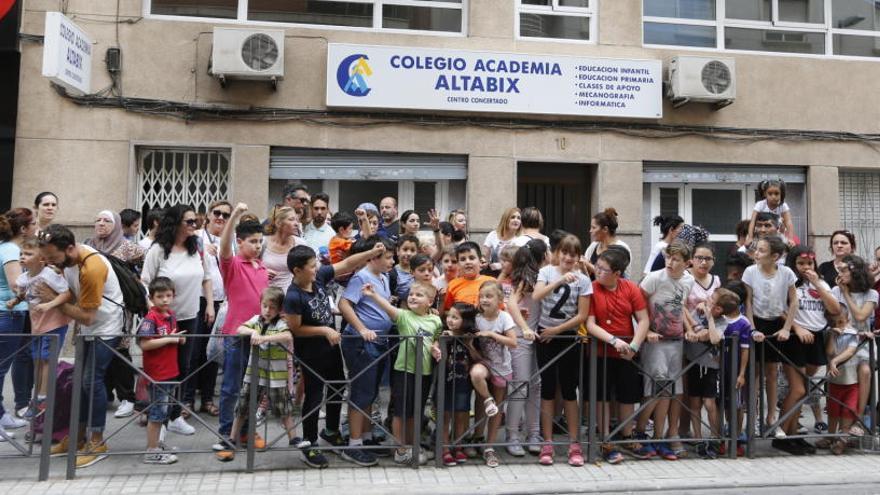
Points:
[[310, 317]]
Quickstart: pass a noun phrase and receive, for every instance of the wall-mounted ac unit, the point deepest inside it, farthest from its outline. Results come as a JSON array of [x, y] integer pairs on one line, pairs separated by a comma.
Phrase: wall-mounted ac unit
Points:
[[702, 79], [244, 53]]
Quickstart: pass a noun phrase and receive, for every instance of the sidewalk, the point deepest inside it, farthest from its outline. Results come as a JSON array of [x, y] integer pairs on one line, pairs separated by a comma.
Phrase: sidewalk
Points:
[[631, 476]]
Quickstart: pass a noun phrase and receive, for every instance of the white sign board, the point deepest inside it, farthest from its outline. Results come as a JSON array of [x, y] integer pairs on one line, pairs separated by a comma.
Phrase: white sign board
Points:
[[363, 76], [67, 54]]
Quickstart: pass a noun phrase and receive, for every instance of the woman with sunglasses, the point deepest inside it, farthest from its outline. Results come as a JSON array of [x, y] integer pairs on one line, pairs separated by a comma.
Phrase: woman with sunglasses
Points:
[[176, 255], [843, 243], [217, 216]]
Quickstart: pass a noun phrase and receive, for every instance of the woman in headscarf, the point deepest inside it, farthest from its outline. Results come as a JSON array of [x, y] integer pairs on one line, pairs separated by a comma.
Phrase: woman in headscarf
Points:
[[109, 239]]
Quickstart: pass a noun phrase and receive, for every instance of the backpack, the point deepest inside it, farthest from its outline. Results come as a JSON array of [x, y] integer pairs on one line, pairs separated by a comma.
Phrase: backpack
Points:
[[134, 294]]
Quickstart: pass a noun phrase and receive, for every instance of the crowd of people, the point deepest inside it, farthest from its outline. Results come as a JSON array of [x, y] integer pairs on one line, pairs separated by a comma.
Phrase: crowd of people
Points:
[[328, 306]]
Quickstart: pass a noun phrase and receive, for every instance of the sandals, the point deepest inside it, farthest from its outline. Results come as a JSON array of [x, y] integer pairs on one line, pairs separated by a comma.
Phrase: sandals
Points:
[[185, 412], [491, 408], [838, 447], [210, 408]]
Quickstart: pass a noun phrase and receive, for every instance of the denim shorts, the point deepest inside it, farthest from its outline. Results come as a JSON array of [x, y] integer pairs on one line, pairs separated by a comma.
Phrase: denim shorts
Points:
[[458, 397], [40, 344], [364, 370], [160, 394]]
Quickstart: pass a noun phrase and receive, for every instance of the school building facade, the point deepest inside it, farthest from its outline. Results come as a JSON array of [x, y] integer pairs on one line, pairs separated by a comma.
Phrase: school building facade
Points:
[[162, 125]]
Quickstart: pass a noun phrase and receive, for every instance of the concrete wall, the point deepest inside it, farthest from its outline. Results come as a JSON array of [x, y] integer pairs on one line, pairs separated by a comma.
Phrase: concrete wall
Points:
[[85, 153]]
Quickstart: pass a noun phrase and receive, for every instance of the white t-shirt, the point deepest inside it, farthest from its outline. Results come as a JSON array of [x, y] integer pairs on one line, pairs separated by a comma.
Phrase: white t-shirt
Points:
[[318, 237], [762, 207], [667, 299], [27, 284], [495, 352], [701, 294], [109, 317], [212, 264], [811, 309], [769, 294], [496, 245], [187, 272], [145, 243], [561, 305], [525, 238], [859, 298]]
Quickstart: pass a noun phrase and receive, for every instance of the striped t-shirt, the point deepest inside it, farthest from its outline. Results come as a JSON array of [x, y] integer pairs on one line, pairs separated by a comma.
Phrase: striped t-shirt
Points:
[[272, 364]]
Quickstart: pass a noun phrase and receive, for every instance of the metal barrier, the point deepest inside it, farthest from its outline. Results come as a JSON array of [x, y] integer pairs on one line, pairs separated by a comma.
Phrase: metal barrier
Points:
[[27, 451], [757, 411], [589, 359]]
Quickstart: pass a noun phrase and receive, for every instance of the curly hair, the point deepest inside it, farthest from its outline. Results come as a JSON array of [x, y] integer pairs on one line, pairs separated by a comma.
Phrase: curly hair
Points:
[[166, 235]]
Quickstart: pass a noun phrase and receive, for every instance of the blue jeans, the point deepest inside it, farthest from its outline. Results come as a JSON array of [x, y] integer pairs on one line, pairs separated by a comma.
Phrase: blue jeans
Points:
[[10, 347], [93, 406], [234, 363]]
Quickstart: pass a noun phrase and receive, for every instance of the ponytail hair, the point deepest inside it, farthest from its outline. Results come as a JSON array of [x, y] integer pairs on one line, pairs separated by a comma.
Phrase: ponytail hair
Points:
[[667, 223], [607, 219], [765, 184], [13, 221]]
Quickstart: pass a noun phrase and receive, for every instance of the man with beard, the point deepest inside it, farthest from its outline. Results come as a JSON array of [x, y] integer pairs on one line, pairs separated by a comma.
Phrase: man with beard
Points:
[[390, 227], [98, 311], [318, 232]]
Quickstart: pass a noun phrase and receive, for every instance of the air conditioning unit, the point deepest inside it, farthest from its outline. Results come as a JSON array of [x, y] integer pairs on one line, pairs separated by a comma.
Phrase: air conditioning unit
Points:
[[242, 53], [702, 79]]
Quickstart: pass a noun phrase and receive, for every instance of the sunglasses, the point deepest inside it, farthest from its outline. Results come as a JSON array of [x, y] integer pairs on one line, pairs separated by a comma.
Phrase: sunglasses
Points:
[[192, 222], [220, 213]]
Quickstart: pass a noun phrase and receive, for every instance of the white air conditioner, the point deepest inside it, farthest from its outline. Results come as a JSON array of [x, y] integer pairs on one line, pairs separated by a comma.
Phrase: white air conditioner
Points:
[[702, 79], [242, 53]]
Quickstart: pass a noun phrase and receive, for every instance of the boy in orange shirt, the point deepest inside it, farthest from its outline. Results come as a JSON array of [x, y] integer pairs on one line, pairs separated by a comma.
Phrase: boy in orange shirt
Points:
[[466, 287], [343, 224]]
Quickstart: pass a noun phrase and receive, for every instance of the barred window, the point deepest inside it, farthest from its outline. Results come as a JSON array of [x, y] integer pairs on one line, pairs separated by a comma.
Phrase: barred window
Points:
[[860, 208], [168, 176]]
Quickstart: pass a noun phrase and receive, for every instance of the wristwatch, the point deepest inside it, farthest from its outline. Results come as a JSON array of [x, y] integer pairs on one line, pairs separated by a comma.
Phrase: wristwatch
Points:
[[613, 340]]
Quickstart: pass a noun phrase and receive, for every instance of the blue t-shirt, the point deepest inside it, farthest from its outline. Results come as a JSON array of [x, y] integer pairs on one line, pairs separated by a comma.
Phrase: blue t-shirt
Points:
[[404, 282], [314, 306], [367, 309], [9, 252]]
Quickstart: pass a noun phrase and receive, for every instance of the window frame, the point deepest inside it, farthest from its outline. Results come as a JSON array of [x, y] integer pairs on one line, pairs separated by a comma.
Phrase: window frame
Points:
[[721, 22], [242, 20], [591, 12]]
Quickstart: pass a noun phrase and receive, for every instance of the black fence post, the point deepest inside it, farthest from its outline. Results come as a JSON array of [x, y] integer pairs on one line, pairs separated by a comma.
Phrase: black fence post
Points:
[[49, 417], [592, 449], [440, 402], [733, 412], [417, 397], [252, 402], [76, 404]]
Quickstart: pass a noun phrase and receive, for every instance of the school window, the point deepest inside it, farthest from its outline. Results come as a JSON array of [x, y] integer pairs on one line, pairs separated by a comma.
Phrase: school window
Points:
[[572, 20], [817, 27], [418, 181], [168, 176], [442, 16]]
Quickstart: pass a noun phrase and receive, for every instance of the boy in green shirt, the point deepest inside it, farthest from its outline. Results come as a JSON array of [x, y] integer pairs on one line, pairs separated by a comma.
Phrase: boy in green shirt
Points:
[[417, 320]]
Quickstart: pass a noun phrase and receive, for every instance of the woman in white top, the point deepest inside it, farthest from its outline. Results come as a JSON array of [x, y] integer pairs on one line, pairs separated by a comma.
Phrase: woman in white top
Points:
[[669, 228], [176, 255], [603, 232], [509, 228], [218, 214], [279, 240]]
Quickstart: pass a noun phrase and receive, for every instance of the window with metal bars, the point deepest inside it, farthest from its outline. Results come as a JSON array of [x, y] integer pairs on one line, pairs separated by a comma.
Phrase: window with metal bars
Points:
[[860, 208], [193, 176]]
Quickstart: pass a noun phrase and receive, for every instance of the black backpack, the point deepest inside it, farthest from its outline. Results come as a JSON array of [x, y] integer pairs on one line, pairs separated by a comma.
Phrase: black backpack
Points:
[[134, 294]]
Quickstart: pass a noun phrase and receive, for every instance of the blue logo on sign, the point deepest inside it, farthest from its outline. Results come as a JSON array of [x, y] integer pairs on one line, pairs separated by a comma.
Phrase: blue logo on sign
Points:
[[352, 75]]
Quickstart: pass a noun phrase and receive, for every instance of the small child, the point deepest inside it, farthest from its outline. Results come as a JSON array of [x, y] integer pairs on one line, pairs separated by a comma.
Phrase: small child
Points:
[[843, 389], [407, 248], [159, 340], [465, 287], [497, 333], [272, 343], [423, 271], [448, 268], [772, 194], [460, 323], [504, 277], [343, 224], [412, 322], [46, 318]]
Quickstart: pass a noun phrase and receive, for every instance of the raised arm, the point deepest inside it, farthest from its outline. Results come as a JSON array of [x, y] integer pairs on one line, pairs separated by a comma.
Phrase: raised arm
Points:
[[351, 263], [229, 231], [383, 303]]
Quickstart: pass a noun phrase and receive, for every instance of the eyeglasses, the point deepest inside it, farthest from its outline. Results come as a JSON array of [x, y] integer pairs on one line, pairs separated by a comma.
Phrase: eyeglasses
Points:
[[192, 222], [599, 270], [704, 259], [221, 213]]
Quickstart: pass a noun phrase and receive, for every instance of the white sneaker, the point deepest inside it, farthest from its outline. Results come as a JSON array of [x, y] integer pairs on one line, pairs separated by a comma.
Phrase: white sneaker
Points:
[[181, 427], [779, 434], [516, 450], [406, 457], [10, 422], [124, 410], [21, 412], [5, 435]]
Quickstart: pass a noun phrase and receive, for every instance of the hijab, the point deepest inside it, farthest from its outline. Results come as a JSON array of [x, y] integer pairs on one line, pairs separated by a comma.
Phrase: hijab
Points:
[[112, 241]]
